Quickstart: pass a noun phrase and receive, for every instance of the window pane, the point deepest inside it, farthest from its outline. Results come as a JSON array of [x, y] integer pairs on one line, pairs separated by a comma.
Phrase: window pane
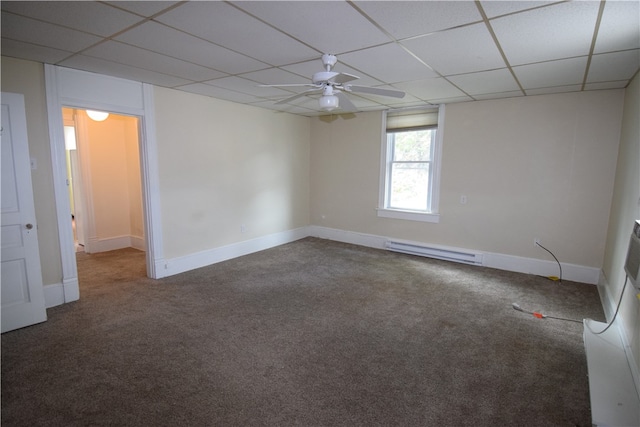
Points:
[[412, 145], [409, 186]]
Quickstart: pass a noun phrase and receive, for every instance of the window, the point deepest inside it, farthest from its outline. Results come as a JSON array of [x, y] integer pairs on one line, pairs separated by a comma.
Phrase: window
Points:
[[410, 170]]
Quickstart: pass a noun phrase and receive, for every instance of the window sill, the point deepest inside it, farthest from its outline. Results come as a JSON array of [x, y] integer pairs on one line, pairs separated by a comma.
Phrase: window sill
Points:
[[409, 215]]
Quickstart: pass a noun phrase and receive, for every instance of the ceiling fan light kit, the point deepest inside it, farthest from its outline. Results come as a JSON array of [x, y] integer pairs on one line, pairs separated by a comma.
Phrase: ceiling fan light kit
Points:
[[332, 85]]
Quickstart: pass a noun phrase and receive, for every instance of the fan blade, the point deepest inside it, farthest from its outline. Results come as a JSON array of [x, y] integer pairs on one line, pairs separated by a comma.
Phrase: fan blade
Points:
[[375, 91], [343, 78], [299, 95], [345, 102]]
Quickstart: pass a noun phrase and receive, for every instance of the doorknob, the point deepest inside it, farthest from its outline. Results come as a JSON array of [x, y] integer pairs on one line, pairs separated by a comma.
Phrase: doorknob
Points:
[[29, 226]]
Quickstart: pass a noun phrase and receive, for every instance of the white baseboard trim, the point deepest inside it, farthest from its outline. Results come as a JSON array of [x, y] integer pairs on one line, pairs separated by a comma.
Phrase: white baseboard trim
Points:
[[61, 293], [169, 267], [576, 273], [53, 295], [95, 245]]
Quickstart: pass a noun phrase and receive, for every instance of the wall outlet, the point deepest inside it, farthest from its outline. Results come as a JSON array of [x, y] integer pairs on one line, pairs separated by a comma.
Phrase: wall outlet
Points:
[[243, 228], [536, 242]]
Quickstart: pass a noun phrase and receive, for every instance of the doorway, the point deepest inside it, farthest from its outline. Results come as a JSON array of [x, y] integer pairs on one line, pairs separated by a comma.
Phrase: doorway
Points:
[[104, 181]]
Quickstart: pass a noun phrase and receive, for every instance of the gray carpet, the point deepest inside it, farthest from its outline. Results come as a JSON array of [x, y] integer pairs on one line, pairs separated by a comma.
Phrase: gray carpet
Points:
[[312, 333]]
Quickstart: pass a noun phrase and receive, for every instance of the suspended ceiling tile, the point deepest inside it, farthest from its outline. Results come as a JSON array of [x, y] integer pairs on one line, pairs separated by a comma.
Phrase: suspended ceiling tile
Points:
[[249, 87], [458, 51], [428, 89], [404, 19], [272, 76], [144, 8], [556, 89], [225, 25], [614, 66], [485, 82], [562, 72], [494, 8], [620, 84], [80, 17], [329, 27], [146, 59], [560, 31], [168, 41], [28, 30], [498, 95], [218, 92], [382, 63], [451, 100], [619, 27], [32, 52], [87, 63]]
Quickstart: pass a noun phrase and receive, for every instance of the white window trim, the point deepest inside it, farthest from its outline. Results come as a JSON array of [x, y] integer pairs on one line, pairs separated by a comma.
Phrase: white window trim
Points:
[[434, 215]]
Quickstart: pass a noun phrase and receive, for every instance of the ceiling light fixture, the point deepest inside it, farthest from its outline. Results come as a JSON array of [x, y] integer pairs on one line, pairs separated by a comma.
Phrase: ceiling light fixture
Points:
[[98, 116], [329, 102]]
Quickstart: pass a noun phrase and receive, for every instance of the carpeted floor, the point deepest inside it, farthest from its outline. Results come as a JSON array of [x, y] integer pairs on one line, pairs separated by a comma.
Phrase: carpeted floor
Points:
[[312, 333]]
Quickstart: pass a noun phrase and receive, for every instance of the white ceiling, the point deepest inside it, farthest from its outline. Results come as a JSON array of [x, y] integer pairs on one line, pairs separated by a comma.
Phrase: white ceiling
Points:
[[435, 51]]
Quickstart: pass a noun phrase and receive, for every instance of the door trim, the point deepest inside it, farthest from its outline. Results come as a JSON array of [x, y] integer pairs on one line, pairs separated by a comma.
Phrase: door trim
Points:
[[67, 87]]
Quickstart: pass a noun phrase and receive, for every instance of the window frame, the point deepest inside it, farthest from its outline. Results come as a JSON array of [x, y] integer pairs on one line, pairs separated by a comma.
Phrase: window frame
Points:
[[383, 210]]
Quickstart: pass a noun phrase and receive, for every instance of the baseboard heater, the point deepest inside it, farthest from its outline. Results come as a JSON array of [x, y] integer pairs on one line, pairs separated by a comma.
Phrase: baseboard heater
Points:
[[438, 252]]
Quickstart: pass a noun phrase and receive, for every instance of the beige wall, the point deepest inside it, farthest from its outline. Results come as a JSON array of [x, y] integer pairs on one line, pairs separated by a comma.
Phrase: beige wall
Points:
[[27, 78], [625, 209], [114, 166], [539, 166], [223, 165]]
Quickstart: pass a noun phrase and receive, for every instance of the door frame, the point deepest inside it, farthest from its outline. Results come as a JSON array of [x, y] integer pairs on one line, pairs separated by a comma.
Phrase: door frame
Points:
[[66, 87]]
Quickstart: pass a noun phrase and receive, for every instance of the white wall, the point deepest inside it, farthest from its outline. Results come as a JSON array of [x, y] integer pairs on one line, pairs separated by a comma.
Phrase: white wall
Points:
[[625, 209], [541, 166], [224, 166]]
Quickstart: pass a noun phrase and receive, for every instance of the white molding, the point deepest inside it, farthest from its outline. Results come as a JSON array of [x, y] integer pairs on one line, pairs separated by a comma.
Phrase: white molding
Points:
[[223, 253], [114, 243], [53, 295], [151, 184], [573, 272]]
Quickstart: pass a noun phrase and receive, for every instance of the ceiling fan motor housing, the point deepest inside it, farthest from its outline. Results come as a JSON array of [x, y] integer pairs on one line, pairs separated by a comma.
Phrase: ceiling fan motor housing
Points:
[[323, 76]]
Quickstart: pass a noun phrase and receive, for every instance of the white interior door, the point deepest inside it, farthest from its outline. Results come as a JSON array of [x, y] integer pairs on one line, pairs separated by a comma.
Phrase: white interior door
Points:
[[22, 298]]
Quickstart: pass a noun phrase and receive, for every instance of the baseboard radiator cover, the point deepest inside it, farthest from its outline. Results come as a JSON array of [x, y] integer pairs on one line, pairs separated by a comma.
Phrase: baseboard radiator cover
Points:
[[434, 251]]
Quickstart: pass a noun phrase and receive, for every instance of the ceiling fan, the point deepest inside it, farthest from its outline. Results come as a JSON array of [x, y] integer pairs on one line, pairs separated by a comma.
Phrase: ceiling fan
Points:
[[332, 85]]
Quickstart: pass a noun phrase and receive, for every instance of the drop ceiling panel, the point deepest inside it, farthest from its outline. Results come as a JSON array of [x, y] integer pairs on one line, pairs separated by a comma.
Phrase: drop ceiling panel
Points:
[[87, 63], [494, 81], [562, 31], [248, 87], [435, 88], [168, 41], [458, 51], [28, 30], [620, 27], [614, 66], [389, 44], [382, 63], [143, 8], [552, 73], [329, 27], [404, 19], [146, 59], [494, 8], [32, 52], [80, 15], [225, 25], [218, 92]]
